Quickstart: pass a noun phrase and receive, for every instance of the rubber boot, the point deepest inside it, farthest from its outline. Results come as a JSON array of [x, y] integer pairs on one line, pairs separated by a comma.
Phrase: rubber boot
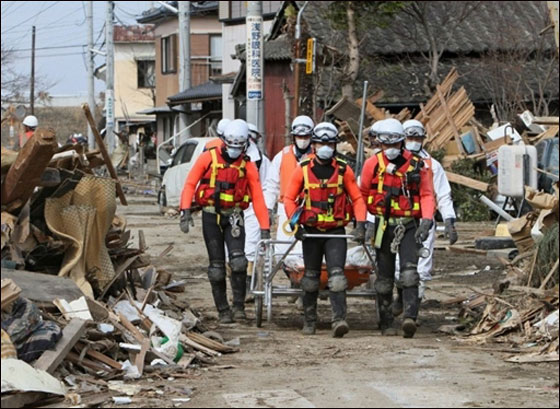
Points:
[[338, 305], [249, 298], [383, 303], [411, 304], [397, 305], [219, 295], [239, 289], [309, 312]]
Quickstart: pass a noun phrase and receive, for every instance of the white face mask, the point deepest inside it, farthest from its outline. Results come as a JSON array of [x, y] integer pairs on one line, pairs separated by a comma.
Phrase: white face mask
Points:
[[325, 152], [234, 153], [392, 153], [303, 144], [413, 146]]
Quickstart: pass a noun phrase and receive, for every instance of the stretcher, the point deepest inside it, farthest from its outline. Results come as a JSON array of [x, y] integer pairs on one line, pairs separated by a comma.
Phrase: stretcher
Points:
[[267, 264]]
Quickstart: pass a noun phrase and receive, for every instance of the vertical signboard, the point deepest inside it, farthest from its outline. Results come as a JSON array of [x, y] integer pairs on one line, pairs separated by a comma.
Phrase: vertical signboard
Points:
[[254, 51]]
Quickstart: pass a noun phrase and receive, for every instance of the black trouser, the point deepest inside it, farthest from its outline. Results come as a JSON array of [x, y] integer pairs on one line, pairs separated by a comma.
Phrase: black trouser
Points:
[[386, 274], [215, 235], [334, 250]]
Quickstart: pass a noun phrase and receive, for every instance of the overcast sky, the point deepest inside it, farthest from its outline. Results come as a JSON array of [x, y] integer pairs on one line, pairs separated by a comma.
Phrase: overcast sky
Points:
[[61, 38]]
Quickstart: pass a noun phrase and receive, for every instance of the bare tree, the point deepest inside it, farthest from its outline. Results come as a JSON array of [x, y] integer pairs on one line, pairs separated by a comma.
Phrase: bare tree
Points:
[[522, 72], [430, 26], [15, 86], [355, 19]]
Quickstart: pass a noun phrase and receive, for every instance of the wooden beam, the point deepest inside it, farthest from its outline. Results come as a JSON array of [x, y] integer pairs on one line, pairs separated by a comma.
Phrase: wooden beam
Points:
[[50, 360], [105, 154], [10, 292], [141, 356], [466, 181]]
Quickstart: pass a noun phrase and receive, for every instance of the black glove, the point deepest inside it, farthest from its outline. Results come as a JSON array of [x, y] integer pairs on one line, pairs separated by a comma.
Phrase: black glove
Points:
[[186, 219], [359, 232], [265, 234], [300, 232], [423, 230], [450, 232]]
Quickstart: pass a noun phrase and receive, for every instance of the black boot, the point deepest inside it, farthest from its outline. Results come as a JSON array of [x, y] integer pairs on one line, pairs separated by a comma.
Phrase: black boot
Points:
[[411, 304], [309, 312], [220, 300], [383, 303], [239, 289], [338, 304], [397, 306]]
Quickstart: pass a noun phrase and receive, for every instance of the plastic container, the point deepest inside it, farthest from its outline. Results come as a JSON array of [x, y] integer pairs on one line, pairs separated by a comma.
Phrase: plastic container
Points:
[[516, 168]]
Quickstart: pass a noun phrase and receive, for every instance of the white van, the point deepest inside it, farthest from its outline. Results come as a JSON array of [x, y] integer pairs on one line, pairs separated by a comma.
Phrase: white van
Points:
[[175, 176]]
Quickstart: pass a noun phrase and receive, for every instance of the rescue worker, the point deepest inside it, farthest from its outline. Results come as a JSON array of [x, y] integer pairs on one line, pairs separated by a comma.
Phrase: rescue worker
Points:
[[280, 173], [252, 232], [325, 189], [398, 191], [222, 125], [227, 180], [415, 133], [30, 124]]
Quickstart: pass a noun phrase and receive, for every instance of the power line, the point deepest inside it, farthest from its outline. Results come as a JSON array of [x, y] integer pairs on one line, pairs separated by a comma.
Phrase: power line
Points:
[[30, 18], [52, 55], [47, 48]]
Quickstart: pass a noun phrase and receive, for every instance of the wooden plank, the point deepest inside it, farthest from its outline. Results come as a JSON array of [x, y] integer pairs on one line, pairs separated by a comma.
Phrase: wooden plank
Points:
[[50, 360], [129, 326], [141, 356], [105, 154], [466, 250], [466, 181], [186, 340], [87, 363], [42, 287], [101, 357], [10, 292], [554, 267]]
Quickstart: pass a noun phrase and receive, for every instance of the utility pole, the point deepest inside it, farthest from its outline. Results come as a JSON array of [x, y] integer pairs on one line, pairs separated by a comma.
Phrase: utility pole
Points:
[[255, 67], [91, 86], [109, 81], [297, 61], [184, 61], [32, 93]]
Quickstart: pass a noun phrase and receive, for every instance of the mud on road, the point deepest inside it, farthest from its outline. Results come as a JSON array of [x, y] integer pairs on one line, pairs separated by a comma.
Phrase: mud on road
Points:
[[278, 367]]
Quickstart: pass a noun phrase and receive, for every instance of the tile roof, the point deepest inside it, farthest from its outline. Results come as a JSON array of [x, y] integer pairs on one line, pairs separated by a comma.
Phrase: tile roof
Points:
[[155, 15], [134, 34], [208, 90]]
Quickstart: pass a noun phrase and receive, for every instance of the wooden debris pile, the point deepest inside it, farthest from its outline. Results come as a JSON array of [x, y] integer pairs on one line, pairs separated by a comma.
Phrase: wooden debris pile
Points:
[[522, 312]]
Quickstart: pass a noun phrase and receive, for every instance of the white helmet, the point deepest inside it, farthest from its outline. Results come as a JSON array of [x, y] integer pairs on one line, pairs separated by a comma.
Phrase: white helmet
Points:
[[374, 130], [325, 132], [236, 134], [222, 125], [390, 131], [254, 133], [30, 121], [302, 126], [413, 127]]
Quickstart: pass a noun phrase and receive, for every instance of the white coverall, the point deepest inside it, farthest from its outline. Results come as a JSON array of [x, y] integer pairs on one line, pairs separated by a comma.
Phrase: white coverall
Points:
[[271, 190], [252, 228], [445, 207]]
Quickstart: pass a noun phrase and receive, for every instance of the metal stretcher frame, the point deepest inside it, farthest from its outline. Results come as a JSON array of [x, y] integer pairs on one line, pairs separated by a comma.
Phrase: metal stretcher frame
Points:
[[265, 269]]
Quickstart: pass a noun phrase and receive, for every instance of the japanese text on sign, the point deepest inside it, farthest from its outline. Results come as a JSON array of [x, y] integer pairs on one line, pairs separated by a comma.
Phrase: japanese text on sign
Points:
[[254, 51]]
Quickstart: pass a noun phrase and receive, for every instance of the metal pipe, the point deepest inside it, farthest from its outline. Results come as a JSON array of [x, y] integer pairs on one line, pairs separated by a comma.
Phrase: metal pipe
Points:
[[496, 208]]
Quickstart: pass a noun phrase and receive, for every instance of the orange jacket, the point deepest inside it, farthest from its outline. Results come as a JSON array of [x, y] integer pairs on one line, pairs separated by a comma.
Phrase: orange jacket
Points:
[[296, 186], [427, 200], [287, 166], [197, 171], [24, 137]]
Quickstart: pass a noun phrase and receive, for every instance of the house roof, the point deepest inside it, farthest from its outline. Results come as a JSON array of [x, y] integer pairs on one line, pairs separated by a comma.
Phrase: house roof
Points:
[[486, 27], [134, 34], [158, 14], [207, 91], [274, 50]]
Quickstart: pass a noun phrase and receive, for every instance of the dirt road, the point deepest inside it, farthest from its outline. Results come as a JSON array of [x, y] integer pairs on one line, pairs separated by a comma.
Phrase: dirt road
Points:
[[278, 367]]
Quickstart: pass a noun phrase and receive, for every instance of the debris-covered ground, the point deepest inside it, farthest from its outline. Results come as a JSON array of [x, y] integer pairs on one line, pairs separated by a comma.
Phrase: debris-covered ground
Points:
[[276, 366]]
